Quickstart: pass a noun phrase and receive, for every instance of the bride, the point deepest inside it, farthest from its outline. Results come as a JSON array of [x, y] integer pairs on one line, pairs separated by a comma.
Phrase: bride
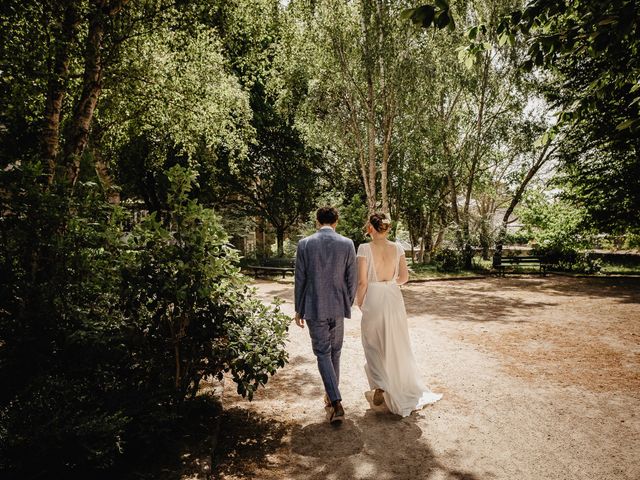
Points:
[[391, 368]]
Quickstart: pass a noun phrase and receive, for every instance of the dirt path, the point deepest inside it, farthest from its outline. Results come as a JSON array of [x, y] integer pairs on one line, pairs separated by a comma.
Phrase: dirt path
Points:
[[541, 380]]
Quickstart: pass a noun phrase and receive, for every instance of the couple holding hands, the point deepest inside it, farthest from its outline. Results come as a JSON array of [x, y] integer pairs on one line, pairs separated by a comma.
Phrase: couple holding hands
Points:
[[329, 276]]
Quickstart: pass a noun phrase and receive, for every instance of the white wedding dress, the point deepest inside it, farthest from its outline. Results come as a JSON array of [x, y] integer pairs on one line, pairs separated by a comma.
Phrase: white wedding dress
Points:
[[387, 348]]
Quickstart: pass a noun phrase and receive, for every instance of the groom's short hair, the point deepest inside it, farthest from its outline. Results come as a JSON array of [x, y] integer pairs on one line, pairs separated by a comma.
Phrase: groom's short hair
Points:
[[327, 215]]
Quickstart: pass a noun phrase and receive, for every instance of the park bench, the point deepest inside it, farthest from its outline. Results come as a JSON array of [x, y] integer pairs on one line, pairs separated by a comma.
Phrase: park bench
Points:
[[510, 264], [273, 266]]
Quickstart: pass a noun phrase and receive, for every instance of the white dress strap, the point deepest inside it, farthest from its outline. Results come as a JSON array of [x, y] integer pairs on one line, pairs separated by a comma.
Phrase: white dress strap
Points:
[[364, 250]]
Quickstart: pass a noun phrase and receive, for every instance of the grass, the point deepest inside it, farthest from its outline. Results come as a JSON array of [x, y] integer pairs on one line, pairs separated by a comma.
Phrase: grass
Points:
[[418, 271], [618, 269]]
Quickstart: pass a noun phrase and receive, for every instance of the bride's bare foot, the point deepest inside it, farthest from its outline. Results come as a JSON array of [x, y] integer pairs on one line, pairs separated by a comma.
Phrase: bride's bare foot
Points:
[[378, 397]]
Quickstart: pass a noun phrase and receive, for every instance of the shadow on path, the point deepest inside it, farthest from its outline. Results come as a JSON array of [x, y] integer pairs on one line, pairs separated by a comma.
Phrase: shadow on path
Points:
[[306, 383], [623, 290], [367, 446], [246, 439], [468, 304]]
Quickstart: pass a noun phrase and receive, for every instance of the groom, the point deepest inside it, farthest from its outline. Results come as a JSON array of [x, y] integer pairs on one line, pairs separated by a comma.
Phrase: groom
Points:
[[325, 287]]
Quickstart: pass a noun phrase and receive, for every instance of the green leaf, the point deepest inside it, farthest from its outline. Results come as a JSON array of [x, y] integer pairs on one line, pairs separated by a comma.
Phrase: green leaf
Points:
[[462, 53], [540, 141], [473, 32], [539, 59], [452, 24], [626, 124], [469, 61], [503, 38], [516, 17], [608, 21], [407, 13]]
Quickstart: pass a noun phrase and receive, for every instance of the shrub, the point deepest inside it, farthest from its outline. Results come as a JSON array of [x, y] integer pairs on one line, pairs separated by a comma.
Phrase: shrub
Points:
[[104, 335], [448, 260], [63, 336], [184, 291], [569, 259], [632, 241], [516, 238]]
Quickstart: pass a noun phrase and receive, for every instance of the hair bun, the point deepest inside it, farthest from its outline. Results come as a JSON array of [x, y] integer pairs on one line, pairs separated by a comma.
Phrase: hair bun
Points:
[[380, 222]]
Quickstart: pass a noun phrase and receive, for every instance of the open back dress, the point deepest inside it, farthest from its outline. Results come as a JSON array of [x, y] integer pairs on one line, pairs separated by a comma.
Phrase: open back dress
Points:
[[390, 364]]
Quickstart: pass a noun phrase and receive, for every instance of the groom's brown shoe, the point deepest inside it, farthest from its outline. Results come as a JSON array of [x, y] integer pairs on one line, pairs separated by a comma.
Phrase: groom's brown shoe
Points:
[[327, 402], [337, 413]]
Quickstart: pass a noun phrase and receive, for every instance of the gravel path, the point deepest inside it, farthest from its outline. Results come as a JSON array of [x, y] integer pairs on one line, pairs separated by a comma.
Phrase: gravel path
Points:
[[540, 376]]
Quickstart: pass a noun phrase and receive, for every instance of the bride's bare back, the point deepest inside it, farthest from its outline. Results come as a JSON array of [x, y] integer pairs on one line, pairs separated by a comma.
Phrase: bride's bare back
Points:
[[385, 259]]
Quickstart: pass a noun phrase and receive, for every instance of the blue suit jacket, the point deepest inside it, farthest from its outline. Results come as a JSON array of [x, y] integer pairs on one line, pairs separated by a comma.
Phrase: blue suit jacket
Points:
[[326, 276]]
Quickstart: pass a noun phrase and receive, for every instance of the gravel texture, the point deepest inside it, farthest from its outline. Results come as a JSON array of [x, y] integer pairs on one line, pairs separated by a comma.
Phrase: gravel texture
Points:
[[540, 376]]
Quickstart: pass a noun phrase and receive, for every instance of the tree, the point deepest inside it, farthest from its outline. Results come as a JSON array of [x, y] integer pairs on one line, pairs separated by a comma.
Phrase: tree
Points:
[[118, 322], [280, 179], [590, 47], [174, 102], [358, 85]]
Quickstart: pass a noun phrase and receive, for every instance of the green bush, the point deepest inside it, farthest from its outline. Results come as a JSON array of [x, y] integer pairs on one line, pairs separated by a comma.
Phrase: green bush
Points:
[[448, 260], [569, 259], [516, 238], [184, 290], [632, 241], [64, 359], [105, 334]]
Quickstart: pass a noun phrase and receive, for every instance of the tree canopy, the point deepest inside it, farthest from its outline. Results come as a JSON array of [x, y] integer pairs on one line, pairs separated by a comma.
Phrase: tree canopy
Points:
[[147, 147]]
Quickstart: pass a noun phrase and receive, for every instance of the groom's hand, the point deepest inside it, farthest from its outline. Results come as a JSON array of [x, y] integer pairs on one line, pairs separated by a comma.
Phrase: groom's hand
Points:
[[299, 320]]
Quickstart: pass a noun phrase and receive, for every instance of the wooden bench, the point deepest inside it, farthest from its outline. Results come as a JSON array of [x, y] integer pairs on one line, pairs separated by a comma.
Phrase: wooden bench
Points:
[[258, 269], [500, 263]]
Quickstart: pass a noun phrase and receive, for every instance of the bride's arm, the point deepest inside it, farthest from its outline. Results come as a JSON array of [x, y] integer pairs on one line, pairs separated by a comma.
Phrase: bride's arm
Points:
[[362, 281], [403, 271]]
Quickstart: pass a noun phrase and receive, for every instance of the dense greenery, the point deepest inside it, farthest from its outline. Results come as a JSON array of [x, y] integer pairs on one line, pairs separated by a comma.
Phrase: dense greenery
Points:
[[138, 139], [119, 289], [106, 333]]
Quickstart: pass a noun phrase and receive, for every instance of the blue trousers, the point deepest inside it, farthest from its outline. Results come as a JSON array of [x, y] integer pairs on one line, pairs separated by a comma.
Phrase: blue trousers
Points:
[[327, 336]]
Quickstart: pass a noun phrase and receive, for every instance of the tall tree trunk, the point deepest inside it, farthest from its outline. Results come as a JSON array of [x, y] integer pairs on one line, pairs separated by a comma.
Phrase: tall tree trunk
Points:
[[427, 240], [439, 239], [91, 87], [453, 192], [371, 142], [280, 239], [545, 154], [99, 17], [485, 238], [386, 152], [387, 108], [467, 250], [260, 238], [370, 66], [64, 36]]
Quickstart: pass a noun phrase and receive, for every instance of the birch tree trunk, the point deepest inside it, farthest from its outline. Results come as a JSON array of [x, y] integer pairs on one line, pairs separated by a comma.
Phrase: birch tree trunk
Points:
[[101, 13], [56, 88], [466, 234]]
